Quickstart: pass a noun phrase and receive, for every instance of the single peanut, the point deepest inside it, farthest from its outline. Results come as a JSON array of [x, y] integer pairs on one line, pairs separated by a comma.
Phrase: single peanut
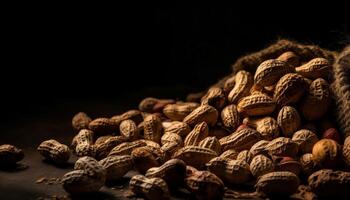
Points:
[[305, 139], [256, 104], [171, 137], [229, 154], [150, 188], [211, 143], [195, 156], [102, 126], [180, 128], [10, 155], [84, 143], [240, 140], [308, 164], [81, 121], [203, 113], [266, 126], [126, 148], [199, 132], [128, 129], [278, 183], [243, 82], [290, 58], [179, 111], [315, 68], [103, 148], [270, 71], [153, 128], [327, 153], [231, 171], [54, 151], [261, 165], [259, 148], [230, 117], [117, 166], [288, 120], [282, 146]]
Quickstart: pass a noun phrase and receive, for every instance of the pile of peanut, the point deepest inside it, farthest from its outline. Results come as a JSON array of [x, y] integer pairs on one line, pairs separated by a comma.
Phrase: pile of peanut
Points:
[[270, 131]]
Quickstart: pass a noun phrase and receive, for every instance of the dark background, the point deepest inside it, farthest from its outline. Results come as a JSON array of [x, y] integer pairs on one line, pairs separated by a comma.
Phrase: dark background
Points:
[[55, 56]]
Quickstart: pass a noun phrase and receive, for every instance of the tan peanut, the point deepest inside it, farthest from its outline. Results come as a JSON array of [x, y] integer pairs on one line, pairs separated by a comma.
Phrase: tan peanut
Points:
[[288, 120], [116, 166], [10, 155], [327, 183], [179, 111], [261, 165], [289, 89], [128, 129], [150, 188], [54, 151], [290, 58], [245, 155], [327, 153], [147, 157], [173, 172], [211, 143], [171, 137], [84, 143], [240, 140], [180, 128], [305, 139], [256, 104], [230, 117], [229, 154], [315, 68], [81, 121], [134, 115], [170, 148], [231, 171], [346, 151], [204, 185], [270, 71], [259, 148], [204, 113], [195, 156], [126, 148], [153, 105], [278, 183], [199, 132], [150, 143], [88, 176], [266, 126], [215, 97], [317, 101], [102, 126], [103, 148], [153, 128], [243, 82], [282, 146]]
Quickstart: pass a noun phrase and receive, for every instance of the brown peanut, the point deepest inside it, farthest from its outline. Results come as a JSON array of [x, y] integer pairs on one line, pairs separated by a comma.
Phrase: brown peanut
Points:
[[128, 129], [103, 148], [305, 139], [180, 128], [288, 120], [171, 137], [315, 68], [327, 183], [173, 172], [259, 148], [243, 82], [10, 155], [211, 143], [54, 151], [147, 157], [266, 126], [116, 166], [195, 156], [261, 165], [229, 154], [270, 71], [199, 132], [289, 89], [256, 104], [290, 58], [245, 155], [231, 171], [308, 164], [88, 176], [230, 117], [126, 148], [240, 140], [81, 121], [102, 126], [154, 105], [179, 111], [84, 143], [282, 146], [203, 113], [346, 151], [150, 188], [278, 183], [316, 103], [204, 185], [153, 128]]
